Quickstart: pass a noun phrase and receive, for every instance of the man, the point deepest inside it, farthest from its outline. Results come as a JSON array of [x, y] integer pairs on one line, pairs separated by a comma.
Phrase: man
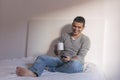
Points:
[[76, 46]]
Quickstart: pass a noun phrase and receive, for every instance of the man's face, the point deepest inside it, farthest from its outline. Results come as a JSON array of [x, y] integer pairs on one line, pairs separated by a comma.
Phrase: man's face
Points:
[[77, 28]]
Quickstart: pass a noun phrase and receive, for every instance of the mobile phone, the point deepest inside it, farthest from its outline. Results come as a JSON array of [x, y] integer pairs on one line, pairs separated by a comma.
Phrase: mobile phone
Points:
[[63, 56]]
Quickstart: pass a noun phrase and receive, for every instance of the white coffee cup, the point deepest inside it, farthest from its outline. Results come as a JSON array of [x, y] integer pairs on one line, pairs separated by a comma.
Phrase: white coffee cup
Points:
[[60, 46]]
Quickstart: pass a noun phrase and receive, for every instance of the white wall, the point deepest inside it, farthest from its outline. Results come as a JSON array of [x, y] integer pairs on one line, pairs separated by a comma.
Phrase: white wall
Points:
[[14, 15], [112, 45], [12, 30]]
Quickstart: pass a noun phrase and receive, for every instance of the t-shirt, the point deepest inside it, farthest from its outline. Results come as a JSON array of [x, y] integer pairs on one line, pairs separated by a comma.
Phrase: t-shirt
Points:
[[75, 47]]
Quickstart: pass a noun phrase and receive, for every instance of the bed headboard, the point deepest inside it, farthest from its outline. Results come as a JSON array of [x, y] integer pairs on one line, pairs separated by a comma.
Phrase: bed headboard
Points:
[[43, 34]]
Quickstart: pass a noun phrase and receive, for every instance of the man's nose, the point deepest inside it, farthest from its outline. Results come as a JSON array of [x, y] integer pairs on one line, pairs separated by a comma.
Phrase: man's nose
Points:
[[76, 28]]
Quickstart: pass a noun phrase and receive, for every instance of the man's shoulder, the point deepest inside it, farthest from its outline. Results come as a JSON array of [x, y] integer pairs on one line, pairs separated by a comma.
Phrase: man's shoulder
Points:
[[66, 34], [85, 37]]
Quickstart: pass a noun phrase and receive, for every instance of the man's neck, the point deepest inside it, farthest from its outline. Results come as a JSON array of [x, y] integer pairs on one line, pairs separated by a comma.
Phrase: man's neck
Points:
[[75, 36]]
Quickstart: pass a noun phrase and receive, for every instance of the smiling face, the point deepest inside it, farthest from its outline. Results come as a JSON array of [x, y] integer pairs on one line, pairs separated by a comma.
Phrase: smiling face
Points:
[[77, 28]]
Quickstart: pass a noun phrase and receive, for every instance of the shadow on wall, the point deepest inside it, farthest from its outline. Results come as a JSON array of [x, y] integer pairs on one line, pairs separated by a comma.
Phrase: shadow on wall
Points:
[[65, 29]]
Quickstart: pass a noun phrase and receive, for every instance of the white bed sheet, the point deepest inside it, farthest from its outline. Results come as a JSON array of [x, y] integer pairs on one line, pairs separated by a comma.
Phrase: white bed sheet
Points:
[[7, 72]]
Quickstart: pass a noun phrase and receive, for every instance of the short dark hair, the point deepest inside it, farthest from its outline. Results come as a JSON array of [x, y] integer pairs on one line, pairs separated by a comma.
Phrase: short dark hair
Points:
[[79, 19]]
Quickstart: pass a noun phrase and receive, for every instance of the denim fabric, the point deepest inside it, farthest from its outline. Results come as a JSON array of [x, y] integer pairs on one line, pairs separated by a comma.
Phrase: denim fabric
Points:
[[54, 64]]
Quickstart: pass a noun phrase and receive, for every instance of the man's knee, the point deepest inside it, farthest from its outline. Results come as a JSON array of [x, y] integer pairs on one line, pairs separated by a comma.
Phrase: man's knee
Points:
[[42, 57], [76, 65]]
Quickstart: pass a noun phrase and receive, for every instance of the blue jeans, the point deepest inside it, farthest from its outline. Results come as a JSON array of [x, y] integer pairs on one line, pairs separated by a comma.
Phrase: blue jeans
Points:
[[55, 65]]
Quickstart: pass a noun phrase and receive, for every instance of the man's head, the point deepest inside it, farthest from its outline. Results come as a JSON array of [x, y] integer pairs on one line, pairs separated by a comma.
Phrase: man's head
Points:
[[78, 25]]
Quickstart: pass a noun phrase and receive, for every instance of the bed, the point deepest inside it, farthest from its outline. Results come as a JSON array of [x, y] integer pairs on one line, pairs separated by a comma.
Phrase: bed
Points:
[[8, 67]]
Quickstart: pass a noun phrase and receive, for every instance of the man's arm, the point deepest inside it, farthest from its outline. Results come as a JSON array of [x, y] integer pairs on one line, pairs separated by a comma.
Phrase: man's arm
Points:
[[61, 39], [57, 52]]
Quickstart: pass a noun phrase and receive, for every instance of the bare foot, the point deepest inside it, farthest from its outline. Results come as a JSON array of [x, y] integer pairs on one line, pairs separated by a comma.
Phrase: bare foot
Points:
[[24, 72]]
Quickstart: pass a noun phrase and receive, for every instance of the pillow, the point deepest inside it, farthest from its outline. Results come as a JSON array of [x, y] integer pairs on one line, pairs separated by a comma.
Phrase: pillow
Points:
[[88, 66]]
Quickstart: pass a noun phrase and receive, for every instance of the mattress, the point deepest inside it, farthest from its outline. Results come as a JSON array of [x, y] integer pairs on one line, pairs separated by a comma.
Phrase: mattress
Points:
[[8, 67]]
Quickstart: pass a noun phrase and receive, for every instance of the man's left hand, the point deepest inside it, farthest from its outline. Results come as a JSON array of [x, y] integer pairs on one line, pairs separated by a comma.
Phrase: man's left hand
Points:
[[66, 59]]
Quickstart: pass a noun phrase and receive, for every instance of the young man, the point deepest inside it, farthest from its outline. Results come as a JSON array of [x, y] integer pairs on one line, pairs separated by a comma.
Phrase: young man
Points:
[[76, 46]]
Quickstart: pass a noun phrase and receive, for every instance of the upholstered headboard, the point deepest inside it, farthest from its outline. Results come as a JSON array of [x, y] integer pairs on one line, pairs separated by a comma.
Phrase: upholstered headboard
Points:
[[43, 34]]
